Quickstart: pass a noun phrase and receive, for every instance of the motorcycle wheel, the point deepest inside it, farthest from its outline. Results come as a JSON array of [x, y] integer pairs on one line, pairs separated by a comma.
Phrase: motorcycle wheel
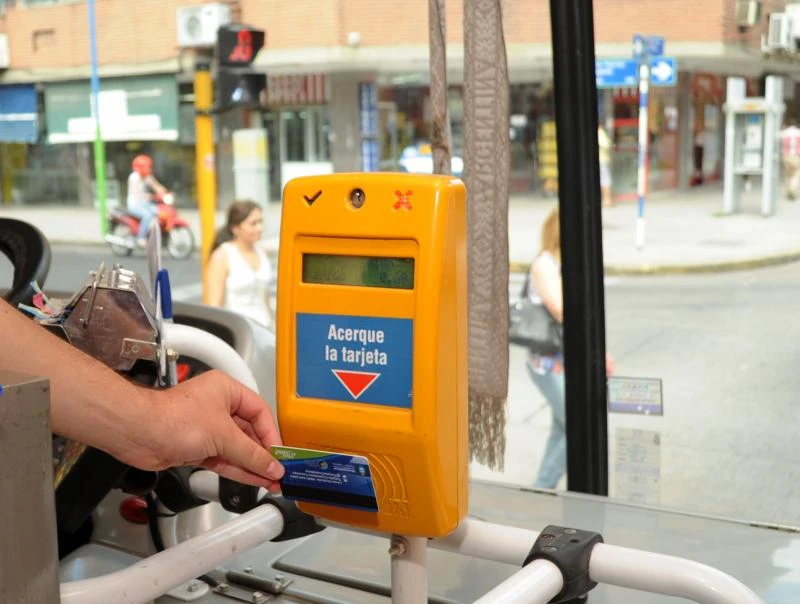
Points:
[[122, 230], [180, 242]]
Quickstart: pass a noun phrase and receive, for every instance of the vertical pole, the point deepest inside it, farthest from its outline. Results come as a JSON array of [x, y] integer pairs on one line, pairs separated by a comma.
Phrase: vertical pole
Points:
[[644, 139], [409, 570], [773, 118], [99, 146], [205, 160], [731, 195], [581, 245]]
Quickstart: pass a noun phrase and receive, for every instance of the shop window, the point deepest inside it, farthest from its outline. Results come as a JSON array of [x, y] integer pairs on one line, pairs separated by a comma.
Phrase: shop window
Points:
[[305, 132], [294, 125], [321, 131]]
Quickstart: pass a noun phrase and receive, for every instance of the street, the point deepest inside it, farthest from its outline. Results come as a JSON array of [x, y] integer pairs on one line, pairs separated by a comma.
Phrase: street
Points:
[[71, 265], [722, 345]]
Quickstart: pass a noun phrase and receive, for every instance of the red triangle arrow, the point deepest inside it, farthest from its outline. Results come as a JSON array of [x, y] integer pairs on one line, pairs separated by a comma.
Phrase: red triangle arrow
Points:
[[356, 382]]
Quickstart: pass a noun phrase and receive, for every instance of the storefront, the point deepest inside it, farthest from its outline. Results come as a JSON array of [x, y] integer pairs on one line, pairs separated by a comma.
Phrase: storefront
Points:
[[406, 115], [137, 115], [664, 139], [298, 128], [19, 127], [707, 125]]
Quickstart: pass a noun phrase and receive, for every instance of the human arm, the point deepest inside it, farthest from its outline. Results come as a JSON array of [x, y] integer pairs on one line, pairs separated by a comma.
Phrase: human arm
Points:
[[214, 278], [155, 186], [546, 277], [210, 420]]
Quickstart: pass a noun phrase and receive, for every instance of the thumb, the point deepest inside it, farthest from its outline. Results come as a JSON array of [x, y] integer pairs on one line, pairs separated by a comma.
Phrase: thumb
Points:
[[240, 450]]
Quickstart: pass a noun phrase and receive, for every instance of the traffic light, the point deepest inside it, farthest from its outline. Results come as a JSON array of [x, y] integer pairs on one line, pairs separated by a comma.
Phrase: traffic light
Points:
[[237, 84]]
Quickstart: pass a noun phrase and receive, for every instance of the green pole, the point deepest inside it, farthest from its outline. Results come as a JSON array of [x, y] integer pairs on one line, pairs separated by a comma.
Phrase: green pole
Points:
[[99, 147], [100, 178]]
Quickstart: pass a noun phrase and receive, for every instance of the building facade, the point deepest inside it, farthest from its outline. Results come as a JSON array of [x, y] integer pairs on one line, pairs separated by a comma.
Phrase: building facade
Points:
[[348, 89]]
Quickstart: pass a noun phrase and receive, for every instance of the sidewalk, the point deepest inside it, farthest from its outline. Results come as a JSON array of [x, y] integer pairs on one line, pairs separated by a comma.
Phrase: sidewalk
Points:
[[685, 231]]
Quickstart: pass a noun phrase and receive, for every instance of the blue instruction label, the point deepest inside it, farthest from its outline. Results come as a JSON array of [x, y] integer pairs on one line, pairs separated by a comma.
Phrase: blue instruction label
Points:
[[331, 478], [355, 359]]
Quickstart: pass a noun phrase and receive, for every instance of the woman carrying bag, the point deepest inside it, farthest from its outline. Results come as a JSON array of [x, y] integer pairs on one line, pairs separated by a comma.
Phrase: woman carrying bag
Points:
[[545, 359]]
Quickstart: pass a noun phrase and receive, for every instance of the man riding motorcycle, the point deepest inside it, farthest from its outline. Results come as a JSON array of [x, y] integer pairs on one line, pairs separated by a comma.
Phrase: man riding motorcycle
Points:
[[142, 190]]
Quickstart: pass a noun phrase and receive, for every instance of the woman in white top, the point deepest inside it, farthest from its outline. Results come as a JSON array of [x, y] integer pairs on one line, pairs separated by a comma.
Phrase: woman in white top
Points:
[[239, 273]]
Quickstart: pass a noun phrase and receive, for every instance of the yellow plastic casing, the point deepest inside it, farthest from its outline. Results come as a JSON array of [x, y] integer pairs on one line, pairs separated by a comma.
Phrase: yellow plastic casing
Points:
[[418, 455]]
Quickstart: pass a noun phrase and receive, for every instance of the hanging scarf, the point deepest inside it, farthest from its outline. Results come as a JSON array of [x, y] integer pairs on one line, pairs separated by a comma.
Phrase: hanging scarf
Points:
[[486, 175]]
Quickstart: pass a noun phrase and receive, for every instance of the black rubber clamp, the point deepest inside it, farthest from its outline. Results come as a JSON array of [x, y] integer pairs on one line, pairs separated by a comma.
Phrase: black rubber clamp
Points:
[[237, 497], [570, 550], [296, 523]]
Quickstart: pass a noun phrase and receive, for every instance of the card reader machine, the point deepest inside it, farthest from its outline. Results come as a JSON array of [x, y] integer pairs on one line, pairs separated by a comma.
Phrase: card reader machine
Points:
[[372, 350]]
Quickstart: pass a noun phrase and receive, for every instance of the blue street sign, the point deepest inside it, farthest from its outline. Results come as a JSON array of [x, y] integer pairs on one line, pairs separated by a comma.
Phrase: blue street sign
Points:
[[663, 71], [638, 46], [613, 73], [655, 46], [622, 73]]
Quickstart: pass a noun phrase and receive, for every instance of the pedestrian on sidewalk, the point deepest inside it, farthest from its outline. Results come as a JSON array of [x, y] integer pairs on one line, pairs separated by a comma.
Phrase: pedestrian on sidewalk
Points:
[[790, 153], [239, 272], [547, 370]]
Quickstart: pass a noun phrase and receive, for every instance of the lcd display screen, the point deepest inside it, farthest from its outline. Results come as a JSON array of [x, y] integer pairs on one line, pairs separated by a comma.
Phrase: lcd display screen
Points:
[[364, 271]]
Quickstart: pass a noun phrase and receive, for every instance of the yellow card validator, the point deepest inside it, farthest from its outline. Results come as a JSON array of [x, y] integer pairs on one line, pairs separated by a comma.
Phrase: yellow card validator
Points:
[[337, 479]]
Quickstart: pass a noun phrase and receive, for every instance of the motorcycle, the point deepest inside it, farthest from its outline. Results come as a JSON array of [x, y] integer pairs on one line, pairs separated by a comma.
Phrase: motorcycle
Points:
[[176, 234]]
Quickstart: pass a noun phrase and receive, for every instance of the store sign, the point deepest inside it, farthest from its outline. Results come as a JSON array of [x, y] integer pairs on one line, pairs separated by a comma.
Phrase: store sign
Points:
[[131, 109], [309, 89], [18, 114]]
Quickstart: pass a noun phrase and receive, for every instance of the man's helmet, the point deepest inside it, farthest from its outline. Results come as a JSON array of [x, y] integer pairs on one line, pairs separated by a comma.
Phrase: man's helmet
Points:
[[143, 164]]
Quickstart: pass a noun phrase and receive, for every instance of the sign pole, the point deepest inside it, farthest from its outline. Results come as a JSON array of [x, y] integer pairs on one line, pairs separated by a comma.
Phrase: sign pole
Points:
[[99, 146], [644, 161], [205, 161]]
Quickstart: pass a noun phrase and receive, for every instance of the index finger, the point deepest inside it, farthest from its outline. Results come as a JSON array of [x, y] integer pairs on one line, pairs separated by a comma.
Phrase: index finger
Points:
[[250, 407]]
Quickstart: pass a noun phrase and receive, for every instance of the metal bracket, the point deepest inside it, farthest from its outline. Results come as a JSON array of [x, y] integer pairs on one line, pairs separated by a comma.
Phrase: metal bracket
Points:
[[241, 595], [138, 349], [189, 591], [274, 586]]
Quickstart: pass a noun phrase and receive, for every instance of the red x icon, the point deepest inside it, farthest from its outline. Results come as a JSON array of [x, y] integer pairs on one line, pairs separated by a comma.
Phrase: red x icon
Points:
[[403, 200]]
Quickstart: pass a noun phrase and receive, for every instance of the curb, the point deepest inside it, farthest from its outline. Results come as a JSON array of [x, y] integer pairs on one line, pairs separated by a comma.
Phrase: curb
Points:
[[686, 269]]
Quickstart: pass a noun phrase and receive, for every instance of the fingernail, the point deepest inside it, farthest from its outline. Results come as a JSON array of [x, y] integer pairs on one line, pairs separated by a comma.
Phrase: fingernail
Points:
[[275, 470]]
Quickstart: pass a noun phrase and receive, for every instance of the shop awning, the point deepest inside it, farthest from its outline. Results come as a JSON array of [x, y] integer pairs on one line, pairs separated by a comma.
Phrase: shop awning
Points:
[[131, 109], [18, 114]]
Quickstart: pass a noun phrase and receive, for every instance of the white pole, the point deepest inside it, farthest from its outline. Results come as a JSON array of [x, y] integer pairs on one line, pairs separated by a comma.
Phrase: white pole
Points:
[[537, 583], [205, 485], [210, 350], [668, 575], [611, 564], [506, 544], [644, 89], [156, 575], [409, 570]]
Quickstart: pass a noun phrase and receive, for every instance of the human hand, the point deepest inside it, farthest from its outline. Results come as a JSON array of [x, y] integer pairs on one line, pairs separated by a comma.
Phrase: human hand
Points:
[[210, 421], [610, 365]]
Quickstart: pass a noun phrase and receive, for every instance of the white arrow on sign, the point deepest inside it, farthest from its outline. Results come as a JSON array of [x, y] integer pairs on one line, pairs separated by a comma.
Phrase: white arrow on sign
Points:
[[662, 71]]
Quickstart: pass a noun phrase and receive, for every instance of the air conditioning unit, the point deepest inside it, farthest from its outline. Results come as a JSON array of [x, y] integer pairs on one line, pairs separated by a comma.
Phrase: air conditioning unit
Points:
[[5, 57], [779, 34], [748, 13], [198, 25], [793, 10]]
